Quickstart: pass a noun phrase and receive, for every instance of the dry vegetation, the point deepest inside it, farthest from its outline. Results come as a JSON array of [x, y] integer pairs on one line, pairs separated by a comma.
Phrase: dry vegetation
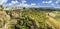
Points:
[[29, 19]]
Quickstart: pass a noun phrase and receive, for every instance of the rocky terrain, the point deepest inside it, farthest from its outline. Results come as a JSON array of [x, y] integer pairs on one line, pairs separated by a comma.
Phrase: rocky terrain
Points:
[[5, 20], [29, 19]]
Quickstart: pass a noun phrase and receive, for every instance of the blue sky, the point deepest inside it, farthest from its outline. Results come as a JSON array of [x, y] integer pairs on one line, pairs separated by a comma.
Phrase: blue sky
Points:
[[37, 3]]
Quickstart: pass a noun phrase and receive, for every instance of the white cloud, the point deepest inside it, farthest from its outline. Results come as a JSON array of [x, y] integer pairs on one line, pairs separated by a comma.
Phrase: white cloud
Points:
[[3, 1], [47, 1], [24, 1], [13, 2], [57, 2], [9, 4], [25, 5], [52, 4], [44, 2], [28, 5], [20, 4], [33, 4]]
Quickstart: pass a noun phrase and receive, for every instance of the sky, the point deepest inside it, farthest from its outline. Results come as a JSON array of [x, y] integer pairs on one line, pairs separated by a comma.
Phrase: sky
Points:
[[31, 3]]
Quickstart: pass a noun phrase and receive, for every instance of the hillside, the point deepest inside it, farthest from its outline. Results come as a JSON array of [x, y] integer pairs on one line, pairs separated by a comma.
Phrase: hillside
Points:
[[29, 19]]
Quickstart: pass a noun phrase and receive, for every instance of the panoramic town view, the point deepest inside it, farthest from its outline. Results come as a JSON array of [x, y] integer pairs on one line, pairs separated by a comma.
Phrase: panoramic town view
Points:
[[29, 14]]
